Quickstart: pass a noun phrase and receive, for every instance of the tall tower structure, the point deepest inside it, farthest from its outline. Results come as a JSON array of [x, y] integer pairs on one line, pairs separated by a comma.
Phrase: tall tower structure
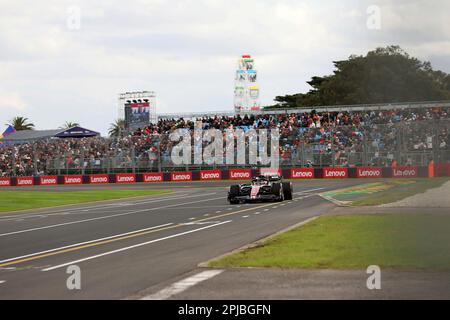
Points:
[[246, 91]]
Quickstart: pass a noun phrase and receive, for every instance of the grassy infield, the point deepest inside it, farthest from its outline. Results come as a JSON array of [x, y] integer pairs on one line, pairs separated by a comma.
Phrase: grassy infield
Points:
[[407, 241]]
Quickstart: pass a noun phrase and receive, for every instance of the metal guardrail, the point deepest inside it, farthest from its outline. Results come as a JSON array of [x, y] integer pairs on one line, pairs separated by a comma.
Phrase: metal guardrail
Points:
[[338, 108]]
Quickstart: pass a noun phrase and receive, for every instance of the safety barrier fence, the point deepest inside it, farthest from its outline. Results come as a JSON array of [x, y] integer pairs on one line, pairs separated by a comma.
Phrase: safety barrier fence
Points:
[[438, 170]]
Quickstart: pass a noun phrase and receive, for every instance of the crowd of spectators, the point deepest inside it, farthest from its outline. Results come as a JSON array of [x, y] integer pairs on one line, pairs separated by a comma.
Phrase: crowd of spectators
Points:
[[314, 138]]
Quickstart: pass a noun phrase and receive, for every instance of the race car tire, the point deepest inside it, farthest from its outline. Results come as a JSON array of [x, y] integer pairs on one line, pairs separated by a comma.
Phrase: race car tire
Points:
[[276, 190], [287, 191], [234, 192]]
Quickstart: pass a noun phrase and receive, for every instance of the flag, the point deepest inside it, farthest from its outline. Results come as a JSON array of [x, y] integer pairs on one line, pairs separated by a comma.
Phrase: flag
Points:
[[10, 130]]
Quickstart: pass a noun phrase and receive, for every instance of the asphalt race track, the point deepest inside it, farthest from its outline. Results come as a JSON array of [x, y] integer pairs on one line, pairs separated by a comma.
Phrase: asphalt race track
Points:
[[124, 247]]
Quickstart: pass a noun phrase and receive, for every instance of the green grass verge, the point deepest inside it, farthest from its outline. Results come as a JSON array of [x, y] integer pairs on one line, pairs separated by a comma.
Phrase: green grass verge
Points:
[[400, 189], [354, 242], [23, 200]]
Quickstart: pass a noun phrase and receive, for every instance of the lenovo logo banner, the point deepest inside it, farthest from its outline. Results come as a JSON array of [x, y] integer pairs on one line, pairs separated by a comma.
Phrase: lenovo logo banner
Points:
[[335, 173], [307, 173], [153, 177], [125, 178], [210, 175], [73, 179], [25, 181], [181, 176], [270, 172], [240, 174], [405, 172], [48, 181], [369, 172], [5, 182], [99, 178]]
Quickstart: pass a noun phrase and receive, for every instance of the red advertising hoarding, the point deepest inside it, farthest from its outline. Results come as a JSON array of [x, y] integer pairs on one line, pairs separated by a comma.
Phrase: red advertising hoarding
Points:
[[73, 179], [181, 176], [153, 177], [208, 175], [369, 172], [48, 180], [335, 173], [99, 178], [304, 173], [405, 172], [270, 172], [25, 181], [125, 178], [240, 174], [5, 182]]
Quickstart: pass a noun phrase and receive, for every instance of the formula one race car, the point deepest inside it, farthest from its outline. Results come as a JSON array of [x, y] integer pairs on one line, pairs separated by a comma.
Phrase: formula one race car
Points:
[[262, 188]]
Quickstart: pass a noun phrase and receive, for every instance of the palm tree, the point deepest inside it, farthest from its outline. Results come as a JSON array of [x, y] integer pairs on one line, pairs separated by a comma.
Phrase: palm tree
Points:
[[117, 128], [69, 125], [21, 123]]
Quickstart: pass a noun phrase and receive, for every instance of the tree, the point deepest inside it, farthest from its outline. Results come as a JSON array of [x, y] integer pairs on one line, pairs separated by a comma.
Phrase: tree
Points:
[[117, 128], [21, 123], [69, 125], [385, 75]]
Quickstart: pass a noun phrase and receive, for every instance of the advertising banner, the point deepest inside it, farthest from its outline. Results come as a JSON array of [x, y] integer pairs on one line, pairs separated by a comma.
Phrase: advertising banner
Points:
[[208, 175], [240, 174], [405, 172], [335, 173], [270, 172], [125, 178], [303, 173], [99, 178], [181, 176], [48, 180], [369, 172], [25, 181], [5, 182]]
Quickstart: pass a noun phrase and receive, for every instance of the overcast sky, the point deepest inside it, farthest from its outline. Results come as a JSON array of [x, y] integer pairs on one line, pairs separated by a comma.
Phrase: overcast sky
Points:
[[53, 70]]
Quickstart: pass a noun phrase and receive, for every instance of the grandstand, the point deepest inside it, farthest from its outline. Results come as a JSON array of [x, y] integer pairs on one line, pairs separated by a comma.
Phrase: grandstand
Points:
[[340, 136]]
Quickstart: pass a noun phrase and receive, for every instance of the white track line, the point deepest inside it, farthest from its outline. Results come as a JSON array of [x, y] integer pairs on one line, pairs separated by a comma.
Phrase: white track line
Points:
[[133, 247], [87, 209], [2, 281], [183, 285], [84, 243], [102, 218], [311, 190]]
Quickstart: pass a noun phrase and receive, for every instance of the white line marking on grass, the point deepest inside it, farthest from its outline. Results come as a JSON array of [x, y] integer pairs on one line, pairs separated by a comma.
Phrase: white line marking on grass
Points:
[[102, 218], [84, 243], [183, 285], [306, 191], [132, 247]]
